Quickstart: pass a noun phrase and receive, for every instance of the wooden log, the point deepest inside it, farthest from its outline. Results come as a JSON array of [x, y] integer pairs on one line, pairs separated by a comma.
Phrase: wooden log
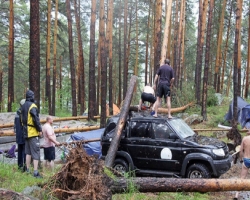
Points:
[[54, 119], [58, 130], [175, 110], [146, 184], [165, 110], [9, 194], [109, 159]]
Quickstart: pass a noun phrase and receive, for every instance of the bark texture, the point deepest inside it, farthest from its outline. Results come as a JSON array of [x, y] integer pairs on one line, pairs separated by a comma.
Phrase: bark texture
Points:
[[109, 159]]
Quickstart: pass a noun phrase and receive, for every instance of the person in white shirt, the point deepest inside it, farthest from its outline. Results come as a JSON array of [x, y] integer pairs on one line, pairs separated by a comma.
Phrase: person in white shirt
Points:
[[147, 95], [49, 143]]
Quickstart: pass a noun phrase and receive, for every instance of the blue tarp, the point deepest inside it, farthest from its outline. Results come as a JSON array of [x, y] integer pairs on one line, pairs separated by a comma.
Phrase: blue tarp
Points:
[[243, 109], [92, 148]]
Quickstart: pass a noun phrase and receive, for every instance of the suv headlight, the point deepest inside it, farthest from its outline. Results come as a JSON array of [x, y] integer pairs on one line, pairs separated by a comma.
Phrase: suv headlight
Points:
[[219, 152]]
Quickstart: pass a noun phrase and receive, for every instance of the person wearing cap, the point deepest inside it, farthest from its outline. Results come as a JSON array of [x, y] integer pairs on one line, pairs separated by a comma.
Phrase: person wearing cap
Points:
[[32, 129], [165, 74], [18, 128]]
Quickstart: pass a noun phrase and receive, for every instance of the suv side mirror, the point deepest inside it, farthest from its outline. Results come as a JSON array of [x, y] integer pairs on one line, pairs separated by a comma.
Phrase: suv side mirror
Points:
[[173, 136]]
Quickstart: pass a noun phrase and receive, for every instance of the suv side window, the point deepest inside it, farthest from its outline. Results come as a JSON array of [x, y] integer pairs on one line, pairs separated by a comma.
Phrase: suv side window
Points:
[[139, 129], [161, 131]]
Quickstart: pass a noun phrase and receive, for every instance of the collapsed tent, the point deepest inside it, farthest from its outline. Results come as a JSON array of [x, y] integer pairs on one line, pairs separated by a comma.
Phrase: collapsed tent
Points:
[[243, 109], [92, 148]]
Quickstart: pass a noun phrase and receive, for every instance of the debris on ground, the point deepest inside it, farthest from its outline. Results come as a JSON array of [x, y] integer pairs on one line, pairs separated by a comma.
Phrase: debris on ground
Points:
[[81, 177]]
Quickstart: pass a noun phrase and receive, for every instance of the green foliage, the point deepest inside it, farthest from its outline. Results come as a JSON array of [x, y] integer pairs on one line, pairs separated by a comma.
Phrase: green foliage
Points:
[[212, 100], [13, 179], [15, 106], [184, 96]]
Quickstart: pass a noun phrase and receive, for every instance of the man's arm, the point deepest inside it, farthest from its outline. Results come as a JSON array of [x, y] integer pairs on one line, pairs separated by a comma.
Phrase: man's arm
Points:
[[155, 81]]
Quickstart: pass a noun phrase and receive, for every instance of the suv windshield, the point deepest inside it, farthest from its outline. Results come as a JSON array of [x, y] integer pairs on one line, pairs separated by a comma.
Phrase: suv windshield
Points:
[[181, 128]]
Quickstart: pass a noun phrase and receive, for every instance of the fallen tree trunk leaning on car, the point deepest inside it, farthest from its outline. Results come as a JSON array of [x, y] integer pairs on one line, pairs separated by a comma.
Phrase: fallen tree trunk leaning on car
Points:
[[146, 184], [109, 159]]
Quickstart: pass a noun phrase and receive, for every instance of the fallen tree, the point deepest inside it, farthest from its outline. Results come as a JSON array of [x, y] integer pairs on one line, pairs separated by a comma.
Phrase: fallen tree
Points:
[[110, 157], [147, 184]]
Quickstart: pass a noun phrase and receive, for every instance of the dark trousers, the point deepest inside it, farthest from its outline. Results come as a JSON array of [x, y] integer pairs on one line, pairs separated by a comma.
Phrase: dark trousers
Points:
[[21, 157]]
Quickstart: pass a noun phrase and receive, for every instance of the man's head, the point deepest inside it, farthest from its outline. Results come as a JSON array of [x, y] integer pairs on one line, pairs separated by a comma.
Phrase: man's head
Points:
[[30, 96], [22, 102], [167, 61], [49, 120]]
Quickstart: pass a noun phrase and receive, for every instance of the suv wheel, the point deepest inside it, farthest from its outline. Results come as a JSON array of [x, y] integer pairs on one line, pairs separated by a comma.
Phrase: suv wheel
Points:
[[121, 166], [198, 171]]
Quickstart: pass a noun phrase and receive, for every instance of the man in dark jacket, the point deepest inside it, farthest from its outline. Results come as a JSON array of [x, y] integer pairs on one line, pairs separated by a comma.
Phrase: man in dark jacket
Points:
[[18, 128], [32, 130]]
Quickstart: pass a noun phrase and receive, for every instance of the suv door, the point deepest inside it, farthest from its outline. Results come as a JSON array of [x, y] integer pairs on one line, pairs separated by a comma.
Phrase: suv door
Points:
[[139, 144], [166, 154]]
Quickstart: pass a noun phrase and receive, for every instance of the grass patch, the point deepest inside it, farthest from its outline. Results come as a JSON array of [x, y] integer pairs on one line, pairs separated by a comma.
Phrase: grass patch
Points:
[[15, 180]]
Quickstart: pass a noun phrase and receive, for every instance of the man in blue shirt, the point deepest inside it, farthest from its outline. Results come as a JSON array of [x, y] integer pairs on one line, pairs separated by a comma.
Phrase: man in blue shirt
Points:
[[165, 75]]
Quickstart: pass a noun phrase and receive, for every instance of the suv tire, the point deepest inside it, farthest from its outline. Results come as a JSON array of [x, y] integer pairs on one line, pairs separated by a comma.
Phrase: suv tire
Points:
[[198, 171], [121, 166]]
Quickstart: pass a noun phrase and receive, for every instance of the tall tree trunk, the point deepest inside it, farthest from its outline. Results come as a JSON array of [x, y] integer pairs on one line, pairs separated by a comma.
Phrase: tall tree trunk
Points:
[[103, 65], [136, 42], [239, 4], [110, 46], [147, 47], [248, 57], [182, 56], [219, 44], [200, 44], [1, 86], [207, 56], [176, 25], [53, 106], [120, 58], [125, 70], [235, 72], [11, 58], [60, 84], [71, 57], [225, 51], [34, 57], [157, 36], [92, 87], [47, 85], [81, 75], [178, 58], [164, 47]]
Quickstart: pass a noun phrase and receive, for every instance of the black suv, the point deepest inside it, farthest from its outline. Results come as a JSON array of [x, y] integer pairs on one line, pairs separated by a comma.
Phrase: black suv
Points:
[[165, 147]]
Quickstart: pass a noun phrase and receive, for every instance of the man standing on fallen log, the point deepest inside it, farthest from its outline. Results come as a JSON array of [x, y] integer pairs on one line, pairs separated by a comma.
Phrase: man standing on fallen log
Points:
[[166, 79], [244, 158]]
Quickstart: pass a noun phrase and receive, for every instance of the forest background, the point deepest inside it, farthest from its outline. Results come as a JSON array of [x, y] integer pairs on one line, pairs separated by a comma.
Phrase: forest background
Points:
[[80, 54]]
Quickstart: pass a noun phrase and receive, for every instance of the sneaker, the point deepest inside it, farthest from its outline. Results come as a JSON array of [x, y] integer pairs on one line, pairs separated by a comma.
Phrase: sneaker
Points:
[[152, 112], [37, 175]]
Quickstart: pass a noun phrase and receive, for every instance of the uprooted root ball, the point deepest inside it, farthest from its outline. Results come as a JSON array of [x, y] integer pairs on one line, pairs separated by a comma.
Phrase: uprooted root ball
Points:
[[82, 177]]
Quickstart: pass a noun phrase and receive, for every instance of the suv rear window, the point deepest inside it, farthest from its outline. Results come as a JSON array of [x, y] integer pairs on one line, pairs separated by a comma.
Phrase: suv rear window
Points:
[[139, 129]]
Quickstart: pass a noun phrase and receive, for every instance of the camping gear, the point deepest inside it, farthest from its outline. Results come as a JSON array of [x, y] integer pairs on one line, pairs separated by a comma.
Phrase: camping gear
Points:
[[92, 148], [243, 109]]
